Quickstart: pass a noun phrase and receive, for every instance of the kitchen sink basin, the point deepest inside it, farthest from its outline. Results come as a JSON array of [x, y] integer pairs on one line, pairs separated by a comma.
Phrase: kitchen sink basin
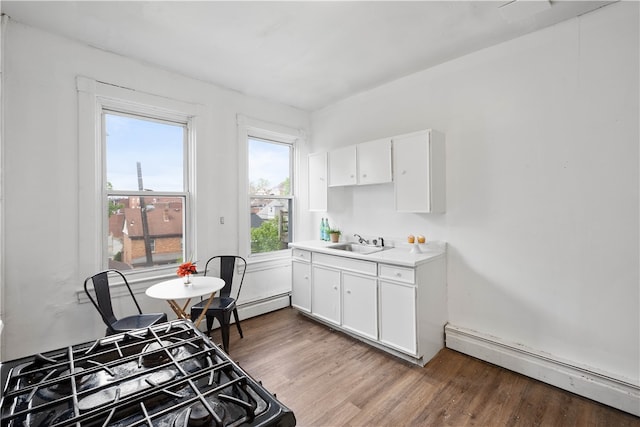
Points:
[[357, 248]]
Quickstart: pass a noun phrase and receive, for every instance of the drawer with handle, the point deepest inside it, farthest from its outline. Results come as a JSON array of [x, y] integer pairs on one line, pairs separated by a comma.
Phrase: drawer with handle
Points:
[[302, 255], [393, 272]]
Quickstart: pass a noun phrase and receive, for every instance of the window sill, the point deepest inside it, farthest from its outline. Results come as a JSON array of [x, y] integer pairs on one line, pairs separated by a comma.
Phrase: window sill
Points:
[[138, 282]]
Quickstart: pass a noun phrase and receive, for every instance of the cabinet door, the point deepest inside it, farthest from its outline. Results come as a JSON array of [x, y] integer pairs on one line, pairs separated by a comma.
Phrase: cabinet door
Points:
[[318, 182], [398, 316], [342, 166], [411, 166], [374, 162], [301, 289], [419, 172], [360, 305], [325, 294]]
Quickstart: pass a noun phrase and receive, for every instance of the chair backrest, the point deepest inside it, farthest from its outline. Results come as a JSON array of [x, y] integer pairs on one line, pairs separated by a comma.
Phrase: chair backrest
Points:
[[102, 301], [227, 268]]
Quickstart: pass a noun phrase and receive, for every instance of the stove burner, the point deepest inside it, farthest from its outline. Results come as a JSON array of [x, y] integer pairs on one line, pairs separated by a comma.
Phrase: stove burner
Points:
[[198, 415], [121, 390], [154, 354], [63, 388]]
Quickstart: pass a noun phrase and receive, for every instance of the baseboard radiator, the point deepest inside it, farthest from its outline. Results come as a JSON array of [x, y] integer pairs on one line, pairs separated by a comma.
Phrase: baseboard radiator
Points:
[[605, 389]]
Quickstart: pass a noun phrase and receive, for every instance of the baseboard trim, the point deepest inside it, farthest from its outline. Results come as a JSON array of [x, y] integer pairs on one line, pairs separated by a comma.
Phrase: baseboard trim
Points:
[[256, 308], [600, 387]]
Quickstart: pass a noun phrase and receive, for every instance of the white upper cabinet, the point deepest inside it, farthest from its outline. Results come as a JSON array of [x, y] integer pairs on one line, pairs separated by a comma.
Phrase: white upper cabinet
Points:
[[318, 182], [419, 168], [374, 162], [342, 166], [361, 164]]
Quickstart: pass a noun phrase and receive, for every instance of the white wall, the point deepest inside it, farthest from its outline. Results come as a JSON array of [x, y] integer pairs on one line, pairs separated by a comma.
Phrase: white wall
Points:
[[41, 207], [542, 185]]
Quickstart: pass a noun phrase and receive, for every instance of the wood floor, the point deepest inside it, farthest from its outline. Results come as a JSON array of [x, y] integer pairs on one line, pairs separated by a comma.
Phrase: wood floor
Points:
[[330, 379]]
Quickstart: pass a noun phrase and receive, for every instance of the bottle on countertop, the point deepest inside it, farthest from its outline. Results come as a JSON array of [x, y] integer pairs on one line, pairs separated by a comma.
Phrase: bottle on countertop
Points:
[[322, 229], [326, 230]]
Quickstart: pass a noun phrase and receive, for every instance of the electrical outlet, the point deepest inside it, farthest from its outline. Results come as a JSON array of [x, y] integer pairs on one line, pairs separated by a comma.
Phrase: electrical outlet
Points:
[[221, 220]]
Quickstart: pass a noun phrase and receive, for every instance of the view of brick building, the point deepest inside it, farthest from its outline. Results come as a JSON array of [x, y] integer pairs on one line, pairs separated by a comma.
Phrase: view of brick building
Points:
[[129, 238]]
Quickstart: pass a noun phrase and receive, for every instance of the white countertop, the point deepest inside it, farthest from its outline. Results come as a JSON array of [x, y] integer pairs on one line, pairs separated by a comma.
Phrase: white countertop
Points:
[[400, 255]]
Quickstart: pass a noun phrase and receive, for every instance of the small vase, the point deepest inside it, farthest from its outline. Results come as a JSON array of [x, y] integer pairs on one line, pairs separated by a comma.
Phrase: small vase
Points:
[[186, 279]]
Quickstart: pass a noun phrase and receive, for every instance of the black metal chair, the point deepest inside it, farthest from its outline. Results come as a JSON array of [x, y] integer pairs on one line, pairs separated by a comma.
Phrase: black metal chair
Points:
[[223, 305], [102, 302]]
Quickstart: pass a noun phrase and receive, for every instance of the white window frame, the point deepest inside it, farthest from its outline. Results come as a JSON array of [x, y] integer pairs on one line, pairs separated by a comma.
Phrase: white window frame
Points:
[[93, 98], [249, 127]]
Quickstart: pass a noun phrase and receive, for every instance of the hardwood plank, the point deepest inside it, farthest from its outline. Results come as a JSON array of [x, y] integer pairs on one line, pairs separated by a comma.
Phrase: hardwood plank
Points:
[[330, 379]]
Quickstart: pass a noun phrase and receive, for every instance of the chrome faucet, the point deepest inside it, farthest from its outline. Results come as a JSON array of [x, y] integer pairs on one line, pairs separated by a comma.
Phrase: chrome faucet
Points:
[[379, 241], [361, 240]]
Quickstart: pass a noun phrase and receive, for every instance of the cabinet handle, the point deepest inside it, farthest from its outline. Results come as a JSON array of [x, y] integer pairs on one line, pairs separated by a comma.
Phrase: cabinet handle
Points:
[[364, 175], [348, 291], [306, 277], [398, 274], [351, 176], [335, 287], [404, 172]]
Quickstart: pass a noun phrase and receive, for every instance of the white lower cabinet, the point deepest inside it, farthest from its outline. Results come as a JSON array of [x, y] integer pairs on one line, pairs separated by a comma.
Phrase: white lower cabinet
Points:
[[397, 308], [398, 316], [360, 304], [301, 293], [301, 280], [325, 294]]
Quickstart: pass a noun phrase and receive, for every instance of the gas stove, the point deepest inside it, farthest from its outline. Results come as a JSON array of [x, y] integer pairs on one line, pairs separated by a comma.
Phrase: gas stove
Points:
[[169, 375]]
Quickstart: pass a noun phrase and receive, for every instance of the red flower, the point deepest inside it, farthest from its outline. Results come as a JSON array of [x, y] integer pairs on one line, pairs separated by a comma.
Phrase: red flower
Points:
[[186, 268]]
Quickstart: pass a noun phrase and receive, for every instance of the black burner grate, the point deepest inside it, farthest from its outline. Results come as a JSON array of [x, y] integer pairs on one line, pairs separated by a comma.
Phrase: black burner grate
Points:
[[164, 375]]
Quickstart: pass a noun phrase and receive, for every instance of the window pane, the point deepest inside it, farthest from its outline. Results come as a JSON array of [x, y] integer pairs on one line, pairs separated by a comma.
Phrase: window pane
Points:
[[269, 168], [269, 175], [157, 146], [145, 231], [270, 226]]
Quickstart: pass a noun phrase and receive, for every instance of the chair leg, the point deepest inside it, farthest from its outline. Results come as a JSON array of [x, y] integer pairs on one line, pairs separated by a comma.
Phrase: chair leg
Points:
[[235, 316], [224, 328], [209, 324]]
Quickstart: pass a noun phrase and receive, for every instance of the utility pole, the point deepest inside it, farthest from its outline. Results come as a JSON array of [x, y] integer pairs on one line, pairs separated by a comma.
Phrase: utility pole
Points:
[[145, 223]]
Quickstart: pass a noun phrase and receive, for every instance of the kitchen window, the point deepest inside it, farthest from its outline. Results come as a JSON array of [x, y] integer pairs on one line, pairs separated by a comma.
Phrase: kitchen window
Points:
[[270, 194], [268, 172]]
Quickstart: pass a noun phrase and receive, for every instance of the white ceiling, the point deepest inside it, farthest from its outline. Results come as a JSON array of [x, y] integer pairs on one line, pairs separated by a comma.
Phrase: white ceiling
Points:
[[301, 53]]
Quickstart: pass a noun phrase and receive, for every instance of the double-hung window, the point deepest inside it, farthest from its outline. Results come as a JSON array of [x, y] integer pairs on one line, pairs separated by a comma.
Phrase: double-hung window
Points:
[[145, 187], [269, 153], [136, 152], [270, 194]]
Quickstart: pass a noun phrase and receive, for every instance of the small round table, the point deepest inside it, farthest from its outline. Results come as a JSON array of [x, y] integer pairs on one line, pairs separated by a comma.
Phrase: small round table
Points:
[[171, 290]]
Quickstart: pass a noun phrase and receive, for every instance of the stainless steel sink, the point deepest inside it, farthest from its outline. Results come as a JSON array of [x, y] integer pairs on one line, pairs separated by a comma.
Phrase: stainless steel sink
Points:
[[357, 248]]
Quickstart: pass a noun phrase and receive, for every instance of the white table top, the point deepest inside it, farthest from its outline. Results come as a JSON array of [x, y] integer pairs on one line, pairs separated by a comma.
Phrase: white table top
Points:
[[176, 289]]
